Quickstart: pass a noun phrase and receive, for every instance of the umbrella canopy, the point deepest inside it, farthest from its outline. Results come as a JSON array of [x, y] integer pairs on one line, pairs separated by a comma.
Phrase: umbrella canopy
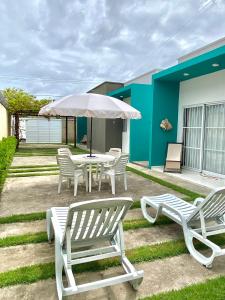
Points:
[[90, 105]]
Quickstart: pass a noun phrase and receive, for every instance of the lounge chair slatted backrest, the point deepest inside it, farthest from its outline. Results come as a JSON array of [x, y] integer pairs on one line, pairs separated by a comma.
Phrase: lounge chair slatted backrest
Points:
[[121, 163], [64, 151], [90, 222], [173, 158], [212, 207]]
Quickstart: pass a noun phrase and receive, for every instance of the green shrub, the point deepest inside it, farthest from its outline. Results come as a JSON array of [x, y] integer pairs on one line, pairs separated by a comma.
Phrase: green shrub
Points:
[[7, 150]]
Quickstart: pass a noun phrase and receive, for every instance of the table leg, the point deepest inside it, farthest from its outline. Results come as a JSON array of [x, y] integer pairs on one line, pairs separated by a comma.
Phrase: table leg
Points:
[[90, 177]]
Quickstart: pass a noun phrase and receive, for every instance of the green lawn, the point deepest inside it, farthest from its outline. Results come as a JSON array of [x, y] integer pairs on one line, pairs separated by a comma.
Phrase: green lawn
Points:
[[213, 289], [45, 151]]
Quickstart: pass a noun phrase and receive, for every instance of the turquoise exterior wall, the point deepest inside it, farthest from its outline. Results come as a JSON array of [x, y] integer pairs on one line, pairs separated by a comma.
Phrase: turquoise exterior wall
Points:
[[81, 128], [165, 105], [141, 99]]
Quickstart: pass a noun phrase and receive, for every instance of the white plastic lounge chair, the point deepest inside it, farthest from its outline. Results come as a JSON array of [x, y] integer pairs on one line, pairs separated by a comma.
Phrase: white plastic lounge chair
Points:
[[117, 169], [207, 213], [69, 170], [89, 224], [64, 151], [173, 158]]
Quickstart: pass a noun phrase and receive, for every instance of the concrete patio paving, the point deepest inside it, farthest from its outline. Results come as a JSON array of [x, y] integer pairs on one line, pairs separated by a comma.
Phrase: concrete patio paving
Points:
[[38, 193], [33, 194]]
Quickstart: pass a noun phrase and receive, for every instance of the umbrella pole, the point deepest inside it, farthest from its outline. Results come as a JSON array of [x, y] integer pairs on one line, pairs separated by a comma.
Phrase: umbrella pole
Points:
[[91, 140]]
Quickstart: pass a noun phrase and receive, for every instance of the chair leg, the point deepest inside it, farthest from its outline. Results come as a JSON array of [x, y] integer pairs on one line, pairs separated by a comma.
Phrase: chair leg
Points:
[[50, 230], [58, 269], [97, 167], [86, 179], [60, 184], [100, 182], [113, 184], [68, 182], [75, 185], [125, 181]]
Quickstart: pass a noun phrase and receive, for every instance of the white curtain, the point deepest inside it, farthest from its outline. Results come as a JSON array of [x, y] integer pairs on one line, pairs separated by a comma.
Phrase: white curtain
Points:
[[192, 132], [214, 139]]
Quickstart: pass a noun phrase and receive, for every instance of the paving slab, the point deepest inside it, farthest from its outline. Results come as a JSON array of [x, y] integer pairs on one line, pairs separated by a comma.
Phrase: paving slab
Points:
[[22, 228], [33, 160], [19, 256], [159, 276], [25, 255], [38, 193]]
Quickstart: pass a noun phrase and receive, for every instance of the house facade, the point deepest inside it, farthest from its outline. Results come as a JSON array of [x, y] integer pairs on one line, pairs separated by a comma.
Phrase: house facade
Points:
[[191, 95], [4, 119]]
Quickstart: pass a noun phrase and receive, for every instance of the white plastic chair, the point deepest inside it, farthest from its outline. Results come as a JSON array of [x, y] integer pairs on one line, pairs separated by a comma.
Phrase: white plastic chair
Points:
[[117, 169], [115, 152], [64, 151], [68, 170], [89, 224], [207, 213]]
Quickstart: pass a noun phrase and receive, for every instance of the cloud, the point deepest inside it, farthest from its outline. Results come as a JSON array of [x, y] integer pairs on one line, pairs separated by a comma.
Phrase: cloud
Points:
[[57, 47]]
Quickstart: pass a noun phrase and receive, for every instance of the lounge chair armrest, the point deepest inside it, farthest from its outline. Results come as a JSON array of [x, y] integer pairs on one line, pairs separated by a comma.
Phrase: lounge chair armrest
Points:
[[198, 201], [175, 211]]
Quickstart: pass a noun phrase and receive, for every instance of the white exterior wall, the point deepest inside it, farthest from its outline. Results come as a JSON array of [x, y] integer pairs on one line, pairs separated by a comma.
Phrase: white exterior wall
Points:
[[3, 122], [126, 133], [145, 78], [204, 89]]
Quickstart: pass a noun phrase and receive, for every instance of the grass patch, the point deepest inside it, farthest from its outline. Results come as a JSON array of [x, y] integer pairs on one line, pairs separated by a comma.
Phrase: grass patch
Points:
[[32, 166], [23, 218], [31, 238], [211, 289], [30, 170], [184, 191], [7, 150], [45, 151], [27, 274], [142, 223], [33, 174]]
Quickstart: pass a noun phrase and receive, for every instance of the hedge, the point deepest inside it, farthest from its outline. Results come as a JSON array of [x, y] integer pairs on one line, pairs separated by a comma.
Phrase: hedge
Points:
[[7, 150]]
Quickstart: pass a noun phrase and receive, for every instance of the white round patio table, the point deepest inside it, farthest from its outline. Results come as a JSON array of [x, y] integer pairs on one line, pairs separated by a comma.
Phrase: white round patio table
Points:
[[95, 159]]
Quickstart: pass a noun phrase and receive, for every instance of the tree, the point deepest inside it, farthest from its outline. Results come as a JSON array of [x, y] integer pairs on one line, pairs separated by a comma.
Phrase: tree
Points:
[[22, 103]]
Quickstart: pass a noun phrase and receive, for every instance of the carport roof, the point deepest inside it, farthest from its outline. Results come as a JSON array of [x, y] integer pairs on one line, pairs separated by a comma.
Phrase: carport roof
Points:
[[194, 67]]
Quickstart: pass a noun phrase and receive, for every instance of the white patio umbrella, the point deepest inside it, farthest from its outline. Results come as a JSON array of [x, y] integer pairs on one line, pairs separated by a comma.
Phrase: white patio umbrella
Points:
[[91, 106]]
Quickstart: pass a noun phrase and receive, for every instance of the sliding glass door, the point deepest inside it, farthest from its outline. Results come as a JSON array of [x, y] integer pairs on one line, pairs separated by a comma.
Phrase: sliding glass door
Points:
[[214, 139], [192, 135], [204, 138]]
